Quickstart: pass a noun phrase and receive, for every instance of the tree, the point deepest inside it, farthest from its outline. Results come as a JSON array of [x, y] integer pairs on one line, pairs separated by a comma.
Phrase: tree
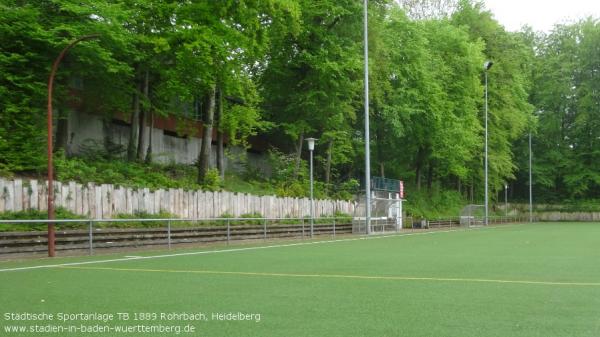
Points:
[[32, 36], [509, 85], [429, 9], [457, 63], [567, 105], [217, 45], [312, 75]]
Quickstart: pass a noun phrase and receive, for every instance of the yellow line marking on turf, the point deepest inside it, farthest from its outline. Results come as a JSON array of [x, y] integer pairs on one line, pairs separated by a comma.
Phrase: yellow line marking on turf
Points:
[[341, 276]]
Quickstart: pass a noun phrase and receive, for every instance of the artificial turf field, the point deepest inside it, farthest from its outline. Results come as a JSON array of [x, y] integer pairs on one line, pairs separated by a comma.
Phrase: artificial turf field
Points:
[[514, 280]]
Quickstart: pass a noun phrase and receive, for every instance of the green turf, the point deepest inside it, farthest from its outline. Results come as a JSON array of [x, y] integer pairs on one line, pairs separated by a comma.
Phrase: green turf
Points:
[[293, 290]]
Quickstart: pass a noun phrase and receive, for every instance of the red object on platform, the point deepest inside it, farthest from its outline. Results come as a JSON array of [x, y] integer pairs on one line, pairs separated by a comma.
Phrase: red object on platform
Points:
[[401, 189]]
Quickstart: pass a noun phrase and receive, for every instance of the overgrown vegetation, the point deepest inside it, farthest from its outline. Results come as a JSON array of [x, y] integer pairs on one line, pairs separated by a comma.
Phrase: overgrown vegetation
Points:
[[434, 205], [117, 171], [60, 212], [124, 173], [293, 69]]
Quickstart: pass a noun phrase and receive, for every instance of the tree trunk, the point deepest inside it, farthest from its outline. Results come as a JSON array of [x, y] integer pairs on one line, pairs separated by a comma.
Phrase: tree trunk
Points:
[[141, 136], [459, 185], [418, 176], [298, 155], [418, 167], [328, 163], [62, 132], [472, 196], [207, 126], [220, 135], [149, 150], [141, 150], [380, 145], [430, 176], [135, 125]]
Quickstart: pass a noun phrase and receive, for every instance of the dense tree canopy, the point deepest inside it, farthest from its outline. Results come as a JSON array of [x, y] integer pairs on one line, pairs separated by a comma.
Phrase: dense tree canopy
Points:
[[294, 70], [566, 96]]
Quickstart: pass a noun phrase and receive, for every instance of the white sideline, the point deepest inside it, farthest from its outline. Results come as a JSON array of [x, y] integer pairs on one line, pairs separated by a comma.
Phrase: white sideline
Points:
[[129, 258]]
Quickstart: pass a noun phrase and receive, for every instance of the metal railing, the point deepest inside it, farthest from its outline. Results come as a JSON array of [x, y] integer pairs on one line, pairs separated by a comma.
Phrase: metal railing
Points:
[[411, 223], [162, 231], [88, 234]]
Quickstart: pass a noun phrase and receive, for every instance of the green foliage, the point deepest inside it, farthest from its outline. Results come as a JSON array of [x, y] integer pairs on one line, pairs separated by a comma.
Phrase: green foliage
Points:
[[509, 86], [60, 213], [565, 94], [434, 205], [283, 168], [212, 181], [124, 173], [290, 69], [32, 35], [573, 205], [244, 184], [346, 190], [250, 216], [141, 224], [342, 217]]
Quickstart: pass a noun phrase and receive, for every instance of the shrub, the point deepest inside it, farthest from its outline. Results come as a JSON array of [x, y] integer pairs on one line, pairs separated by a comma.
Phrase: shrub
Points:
[[212, 180], [59, 213]]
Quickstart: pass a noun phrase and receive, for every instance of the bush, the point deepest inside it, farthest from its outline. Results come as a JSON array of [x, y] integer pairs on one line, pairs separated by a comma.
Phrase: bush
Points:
[[140, 224], [156, 176], [437, 203], [130, 174], [212, 180], [59, 213], [346, 190]]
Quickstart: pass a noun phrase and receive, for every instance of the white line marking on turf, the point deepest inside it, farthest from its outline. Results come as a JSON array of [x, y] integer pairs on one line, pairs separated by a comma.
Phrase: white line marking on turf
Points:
[[359, 277], [129, 258]]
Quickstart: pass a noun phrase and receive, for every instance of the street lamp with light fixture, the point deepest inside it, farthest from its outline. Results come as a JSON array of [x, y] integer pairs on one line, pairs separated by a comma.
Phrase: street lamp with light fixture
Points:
[[486, 66], [311, 148], [51, 234], [506, 200]]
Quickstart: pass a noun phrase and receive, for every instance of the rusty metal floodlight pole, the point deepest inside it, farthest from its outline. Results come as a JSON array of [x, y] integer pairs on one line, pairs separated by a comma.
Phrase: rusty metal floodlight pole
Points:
[[50, 149]]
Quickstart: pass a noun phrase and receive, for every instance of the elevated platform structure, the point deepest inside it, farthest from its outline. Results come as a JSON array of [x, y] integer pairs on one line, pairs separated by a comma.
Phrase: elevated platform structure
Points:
[[472, 216], [386, 207]]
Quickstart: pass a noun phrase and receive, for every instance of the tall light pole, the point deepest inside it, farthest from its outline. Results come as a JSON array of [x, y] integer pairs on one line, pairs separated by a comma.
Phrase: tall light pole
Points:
[[51, 235], [367, 135], [530, 182], [311, 148], [506, 200], [486, 66]]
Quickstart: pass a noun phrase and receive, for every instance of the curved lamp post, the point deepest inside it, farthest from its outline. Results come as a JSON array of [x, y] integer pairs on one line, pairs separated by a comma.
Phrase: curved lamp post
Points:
[[50, 149], [486, 66]]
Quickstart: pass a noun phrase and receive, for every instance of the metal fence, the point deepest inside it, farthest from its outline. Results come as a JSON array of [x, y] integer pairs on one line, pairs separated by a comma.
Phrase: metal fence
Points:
[[91, 234], [464, 221], [78, 234]]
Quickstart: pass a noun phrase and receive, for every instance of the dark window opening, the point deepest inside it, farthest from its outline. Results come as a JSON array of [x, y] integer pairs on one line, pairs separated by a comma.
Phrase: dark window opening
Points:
[[120, 122], [174, 134]]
